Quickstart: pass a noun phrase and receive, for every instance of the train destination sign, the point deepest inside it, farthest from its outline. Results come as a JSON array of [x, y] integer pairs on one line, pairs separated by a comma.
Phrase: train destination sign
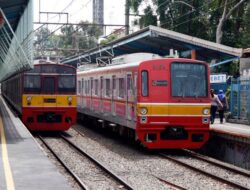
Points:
[[160, 83], [218, 78]]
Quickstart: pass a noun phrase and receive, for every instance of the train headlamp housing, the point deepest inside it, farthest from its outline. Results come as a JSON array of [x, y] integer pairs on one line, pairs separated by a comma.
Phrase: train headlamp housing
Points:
[[143, 111], [206, 111], [69, 100], [28, 98]]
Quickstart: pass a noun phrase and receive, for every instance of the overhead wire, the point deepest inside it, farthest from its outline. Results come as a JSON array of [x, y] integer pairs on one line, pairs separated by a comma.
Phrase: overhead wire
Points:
[[83, 6]]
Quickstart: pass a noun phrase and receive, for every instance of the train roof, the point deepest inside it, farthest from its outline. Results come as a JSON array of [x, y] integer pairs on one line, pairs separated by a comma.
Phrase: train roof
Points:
[[52, 63], [131, 60]]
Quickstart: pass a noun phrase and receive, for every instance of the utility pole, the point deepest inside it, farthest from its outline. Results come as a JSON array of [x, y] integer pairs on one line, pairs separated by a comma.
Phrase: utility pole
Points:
[[98, 13], [127, 17]]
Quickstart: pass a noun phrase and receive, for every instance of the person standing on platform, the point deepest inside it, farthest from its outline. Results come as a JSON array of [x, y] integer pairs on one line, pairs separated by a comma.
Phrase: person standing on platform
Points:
[[215, 103], [224, 107]]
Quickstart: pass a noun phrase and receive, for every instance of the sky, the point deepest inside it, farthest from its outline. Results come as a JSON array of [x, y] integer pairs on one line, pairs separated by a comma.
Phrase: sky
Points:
[[79, 10]]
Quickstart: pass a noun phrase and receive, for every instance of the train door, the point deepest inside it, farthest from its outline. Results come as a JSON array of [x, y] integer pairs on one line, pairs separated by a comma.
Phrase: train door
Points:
[[49, 88], [134, 89], [82, 94], [79, 104], [129, 99], [113, 110], [101, 94], [49, 85], [91, 93]]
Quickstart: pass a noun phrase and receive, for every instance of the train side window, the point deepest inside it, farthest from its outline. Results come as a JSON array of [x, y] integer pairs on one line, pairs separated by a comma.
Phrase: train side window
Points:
[[144, 83], [96, 87], [107, 89], [121, 88]]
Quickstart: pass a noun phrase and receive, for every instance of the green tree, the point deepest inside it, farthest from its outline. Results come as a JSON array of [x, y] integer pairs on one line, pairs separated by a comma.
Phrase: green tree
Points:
[[224, 21], [81, 37], [148, 18], [244, 35], [108, 39], [229, 8], [41, 37]]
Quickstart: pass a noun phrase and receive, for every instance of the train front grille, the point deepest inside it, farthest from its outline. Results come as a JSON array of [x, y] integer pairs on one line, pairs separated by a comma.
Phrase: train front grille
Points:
[[174, 133], [49, 117]]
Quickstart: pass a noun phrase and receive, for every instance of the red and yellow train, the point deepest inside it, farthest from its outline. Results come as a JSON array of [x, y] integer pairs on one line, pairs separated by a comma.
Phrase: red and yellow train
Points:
[[45, 96], [162, 102]]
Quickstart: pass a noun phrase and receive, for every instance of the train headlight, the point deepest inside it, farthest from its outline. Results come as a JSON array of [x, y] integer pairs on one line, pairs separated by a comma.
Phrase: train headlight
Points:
[[206, 111], [69, 100], [29, 98], [143, 111]]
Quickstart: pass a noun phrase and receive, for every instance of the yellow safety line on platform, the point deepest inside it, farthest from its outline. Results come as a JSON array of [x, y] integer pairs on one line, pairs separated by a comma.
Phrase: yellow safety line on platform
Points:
[[6, 163]]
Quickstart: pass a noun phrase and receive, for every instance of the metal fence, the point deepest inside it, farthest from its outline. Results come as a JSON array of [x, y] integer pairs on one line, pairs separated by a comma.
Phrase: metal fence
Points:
[[240, 98]]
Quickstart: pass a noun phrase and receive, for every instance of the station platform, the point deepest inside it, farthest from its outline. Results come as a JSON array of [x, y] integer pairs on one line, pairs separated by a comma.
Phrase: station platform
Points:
[[240, 131], [229, 142], [23, 164]]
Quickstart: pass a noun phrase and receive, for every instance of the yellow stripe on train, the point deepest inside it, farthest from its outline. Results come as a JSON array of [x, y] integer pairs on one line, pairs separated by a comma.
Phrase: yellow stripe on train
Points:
[[35, 100], [174, 109]]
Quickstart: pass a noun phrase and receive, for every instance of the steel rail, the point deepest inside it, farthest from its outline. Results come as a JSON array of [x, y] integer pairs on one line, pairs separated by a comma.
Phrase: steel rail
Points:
[[78, 180], [169, 183], [98, 163], [216, 163], [233, 184]]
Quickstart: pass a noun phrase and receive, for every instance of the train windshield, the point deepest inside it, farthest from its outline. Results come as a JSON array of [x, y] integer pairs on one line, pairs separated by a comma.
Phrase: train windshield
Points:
[[67, 83], [188, 80], [32, 83]]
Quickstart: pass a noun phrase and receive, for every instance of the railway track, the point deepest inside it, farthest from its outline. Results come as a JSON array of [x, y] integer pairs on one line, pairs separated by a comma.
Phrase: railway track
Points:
[[75, 177], [122, 184], [217, 163], [213, 175], [99, 164], [168, 183]]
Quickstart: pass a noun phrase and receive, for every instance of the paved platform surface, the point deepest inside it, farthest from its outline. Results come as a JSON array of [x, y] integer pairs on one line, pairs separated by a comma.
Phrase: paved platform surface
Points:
[[23, 164], [237, 130]]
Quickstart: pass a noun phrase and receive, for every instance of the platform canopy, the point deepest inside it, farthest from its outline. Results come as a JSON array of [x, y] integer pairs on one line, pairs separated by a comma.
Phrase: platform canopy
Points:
[[13, 10], [16, 26], [159, 41]]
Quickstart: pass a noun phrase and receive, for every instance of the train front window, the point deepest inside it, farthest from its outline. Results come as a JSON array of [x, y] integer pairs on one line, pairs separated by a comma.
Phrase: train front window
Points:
[[49, 85], [188, 80], [67, 84], [32, 83]]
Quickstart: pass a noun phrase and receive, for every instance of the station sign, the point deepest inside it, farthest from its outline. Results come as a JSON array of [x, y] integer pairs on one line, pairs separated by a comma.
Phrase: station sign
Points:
[[218, 78]]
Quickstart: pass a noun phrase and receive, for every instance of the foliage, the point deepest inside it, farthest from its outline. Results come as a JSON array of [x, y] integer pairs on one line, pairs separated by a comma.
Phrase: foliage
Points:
[[199, 18], [71, 39], [229, 69], [148, 18], [108, 39], [244, 38]]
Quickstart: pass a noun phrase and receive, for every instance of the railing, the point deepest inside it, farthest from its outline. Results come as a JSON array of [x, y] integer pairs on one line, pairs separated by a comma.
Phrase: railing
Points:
[[16, 48], [240, 99]]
